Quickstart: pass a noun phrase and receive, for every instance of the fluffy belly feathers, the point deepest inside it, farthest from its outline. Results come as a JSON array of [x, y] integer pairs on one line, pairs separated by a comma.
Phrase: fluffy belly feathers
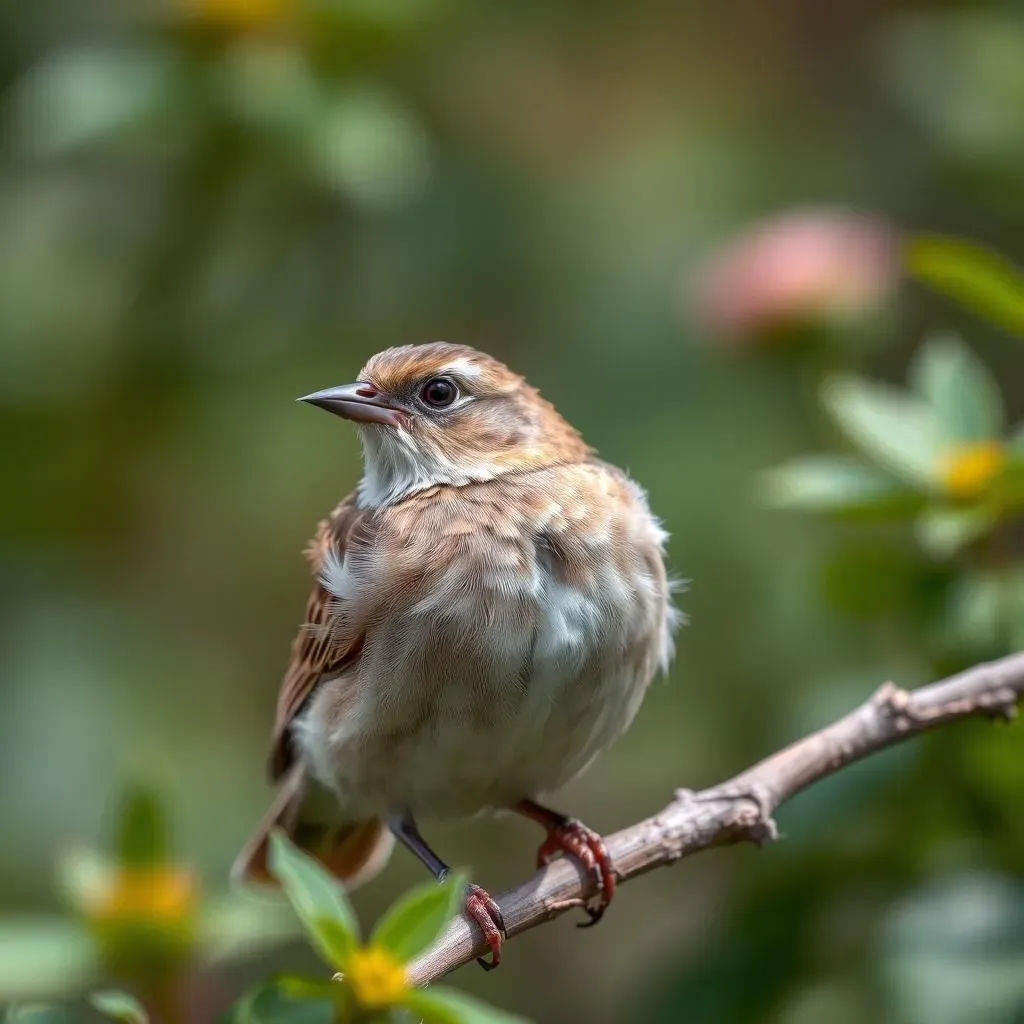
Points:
[[519, 656]]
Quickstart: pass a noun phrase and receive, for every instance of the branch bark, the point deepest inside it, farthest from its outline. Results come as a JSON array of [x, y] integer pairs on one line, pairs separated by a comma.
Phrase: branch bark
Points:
[[742, 808]]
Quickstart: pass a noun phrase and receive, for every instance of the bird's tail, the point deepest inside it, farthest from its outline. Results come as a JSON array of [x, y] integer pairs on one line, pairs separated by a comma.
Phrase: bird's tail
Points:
[[354, 852]]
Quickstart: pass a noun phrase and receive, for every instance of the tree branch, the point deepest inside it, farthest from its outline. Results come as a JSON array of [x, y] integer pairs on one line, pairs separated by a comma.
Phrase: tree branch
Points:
[[741, 809]]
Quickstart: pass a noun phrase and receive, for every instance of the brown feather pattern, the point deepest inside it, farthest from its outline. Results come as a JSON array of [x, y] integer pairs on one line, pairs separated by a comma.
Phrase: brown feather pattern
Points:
[[316, 652], [487, 611]]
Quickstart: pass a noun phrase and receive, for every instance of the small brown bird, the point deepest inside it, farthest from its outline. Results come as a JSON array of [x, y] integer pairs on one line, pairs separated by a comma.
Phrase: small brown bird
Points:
[[490, 606]]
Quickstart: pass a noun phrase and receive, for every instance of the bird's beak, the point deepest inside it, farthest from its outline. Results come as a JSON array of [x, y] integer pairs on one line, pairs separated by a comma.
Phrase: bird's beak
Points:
[[360, 402]]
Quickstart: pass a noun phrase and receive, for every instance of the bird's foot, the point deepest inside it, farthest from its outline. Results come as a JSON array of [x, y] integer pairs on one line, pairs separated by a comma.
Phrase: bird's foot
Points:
[[484, 910], [574, 839]]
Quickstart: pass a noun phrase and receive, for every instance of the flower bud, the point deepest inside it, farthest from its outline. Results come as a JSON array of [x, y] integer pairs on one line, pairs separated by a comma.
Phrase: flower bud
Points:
[[805, 268]]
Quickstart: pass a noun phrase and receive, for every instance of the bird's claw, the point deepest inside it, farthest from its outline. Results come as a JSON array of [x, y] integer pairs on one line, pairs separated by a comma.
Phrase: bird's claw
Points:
[[484, 910], [584, 845], [593, 913]]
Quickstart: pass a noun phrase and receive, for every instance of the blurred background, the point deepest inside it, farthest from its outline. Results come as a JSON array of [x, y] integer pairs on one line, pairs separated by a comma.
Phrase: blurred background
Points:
[[673, 218]]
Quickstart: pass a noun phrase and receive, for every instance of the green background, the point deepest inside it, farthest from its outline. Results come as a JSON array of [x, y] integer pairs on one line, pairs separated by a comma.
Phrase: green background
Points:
[[200, 223]]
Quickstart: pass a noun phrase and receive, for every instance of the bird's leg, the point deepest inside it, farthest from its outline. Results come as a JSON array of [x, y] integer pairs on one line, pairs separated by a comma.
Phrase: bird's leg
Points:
[[480, 906], [572, 837]]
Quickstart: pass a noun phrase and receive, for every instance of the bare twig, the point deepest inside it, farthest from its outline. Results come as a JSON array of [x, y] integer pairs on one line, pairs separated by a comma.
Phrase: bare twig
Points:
[[741, 809]]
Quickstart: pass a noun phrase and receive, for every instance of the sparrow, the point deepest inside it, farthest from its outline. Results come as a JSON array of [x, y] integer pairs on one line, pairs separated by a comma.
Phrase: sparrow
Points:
[[488, 609]]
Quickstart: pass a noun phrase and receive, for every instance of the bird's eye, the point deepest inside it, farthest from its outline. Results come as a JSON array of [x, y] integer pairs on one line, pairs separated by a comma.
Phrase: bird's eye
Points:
[[439, 392]]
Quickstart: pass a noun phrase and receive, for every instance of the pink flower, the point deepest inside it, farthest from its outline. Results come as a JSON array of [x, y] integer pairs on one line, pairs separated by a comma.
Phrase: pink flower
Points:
[[802, 267]]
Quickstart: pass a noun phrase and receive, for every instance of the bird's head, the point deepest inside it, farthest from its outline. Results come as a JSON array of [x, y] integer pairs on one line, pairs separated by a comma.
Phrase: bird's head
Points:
[[441, 414]]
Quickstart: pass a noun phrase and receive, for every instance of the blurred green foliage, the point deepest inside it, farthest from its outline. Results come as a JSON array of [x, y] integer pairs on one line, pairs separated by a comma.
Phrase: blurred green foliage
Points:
[[980, 279], [119, 1006], [210, 207], [138, 917], [372, 982]]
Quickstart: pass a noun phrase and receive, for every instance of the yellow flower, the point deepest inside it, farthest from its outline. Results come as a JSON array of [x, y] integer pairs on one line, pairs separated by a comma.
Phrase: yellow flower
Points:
[[968, 469], [162, 894], [377, 978]]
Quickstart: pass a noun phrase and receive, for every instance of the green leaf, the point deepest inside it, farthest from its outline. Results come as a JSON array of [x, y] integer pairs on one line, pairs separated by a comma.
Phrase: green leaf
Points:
[[120, 1006], [449, 1006], [960, 389], [38, 1013], [301, 989], [51, 955], [142, 828], [334, 940], [944, 531], [88, 96], [975, 277], [416, 920], [318, 899], [898, 430], [823, 483], [271, 1003], [236, 926]]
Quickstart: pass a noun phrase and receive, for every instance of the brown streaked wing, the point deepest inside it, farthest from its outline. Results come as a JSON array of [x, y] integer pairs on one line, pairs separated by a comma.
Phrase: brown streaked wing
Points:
[[317, 652]]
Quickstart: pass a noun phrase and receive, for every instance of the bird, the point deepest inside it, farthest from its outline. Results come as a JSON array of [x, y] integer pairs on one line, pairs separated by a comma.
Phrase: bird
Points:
[[488, 609]]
